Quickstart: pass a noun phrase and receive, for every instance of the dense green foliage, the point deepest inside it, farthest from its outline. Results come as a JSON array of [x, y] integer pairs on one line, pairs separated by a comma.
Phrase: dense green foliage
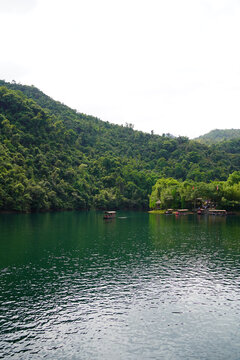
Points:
[[52, 157], [45, 164], [217, 135], [171, 193]]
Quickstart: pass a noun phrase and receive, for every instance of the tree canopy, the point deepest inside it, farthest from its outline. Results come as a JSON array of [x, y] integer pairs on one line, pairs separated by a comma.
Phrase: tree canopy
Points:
[[171, 193]]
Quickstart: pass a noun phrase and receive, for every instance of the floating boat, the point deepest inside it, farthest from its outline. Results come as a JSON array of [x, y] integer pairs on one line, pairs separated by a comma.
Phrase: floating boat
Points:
[[217, 212], [109, 215], [200, 211], [182, 212]]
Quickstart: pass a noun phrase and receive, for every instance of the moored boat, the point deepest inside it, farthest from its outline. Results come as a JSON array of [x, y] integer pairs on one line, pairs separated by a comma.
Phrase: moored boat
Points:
[[109, 215], [182, 212], [217, 212]]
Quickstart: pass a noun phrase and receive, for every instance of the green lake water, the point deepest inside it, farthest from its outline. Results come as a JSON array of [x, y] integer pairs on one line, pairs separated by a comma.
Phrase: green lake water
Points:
[[141, 286]]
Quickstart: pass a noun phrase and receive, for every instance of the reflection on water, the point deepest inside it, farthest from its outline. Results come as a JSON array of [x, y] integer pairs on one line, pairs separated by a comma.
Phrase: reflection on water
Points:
[[140, 286]]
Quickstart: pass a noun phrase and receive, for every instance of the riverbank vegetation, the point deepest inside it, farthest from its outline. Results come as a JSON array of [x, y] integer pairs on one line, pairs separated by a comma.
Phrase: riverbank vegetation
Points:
[[53, 157], [171, 193]]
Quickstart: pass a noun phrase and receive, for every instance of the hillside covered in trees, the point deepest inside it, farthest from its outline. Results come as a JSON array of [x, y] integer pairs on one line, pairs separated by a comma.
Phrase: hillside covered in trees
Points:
[[218, 135], [52, 157]]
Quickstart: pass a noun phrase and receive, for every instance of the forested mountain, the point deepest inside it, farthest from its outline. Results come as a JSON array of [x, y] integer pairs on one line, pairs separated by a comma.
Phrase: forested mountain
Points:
[[218, 135], [52, 157]]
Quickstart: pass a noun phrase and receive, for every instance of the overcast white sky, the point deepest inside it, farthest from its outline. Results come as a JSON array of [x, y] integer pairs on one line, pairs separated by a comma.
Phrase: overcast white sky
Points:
[[165, 65]]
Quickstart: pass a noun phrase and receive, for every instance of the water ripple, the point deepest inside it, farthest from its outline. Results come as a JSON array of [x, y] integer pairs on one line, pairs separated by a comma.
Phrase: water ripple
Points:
[[147, 292]]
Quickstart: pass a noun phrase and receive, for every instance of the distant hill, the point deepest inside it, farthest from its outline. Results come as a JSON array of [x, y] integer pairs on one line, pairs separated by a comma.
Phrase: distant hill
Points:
[[218, 135]]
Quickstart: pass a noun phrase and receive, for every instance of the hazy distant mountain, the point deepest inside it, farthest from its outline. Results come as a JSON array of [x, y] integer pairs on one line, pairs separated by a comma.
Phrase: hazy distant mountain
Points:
[[218, 135]]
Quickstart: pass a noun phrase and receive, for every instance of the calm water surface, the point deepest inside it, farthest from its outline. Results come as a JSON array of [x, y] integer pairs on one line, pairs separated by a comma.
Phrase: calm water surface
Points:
[[141, 286]]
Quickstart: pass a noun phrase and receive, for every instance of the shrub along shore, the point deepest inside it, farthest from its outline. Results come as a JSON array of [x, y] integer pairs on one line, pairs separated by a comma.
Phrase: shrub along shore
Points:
[[171, 193]]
